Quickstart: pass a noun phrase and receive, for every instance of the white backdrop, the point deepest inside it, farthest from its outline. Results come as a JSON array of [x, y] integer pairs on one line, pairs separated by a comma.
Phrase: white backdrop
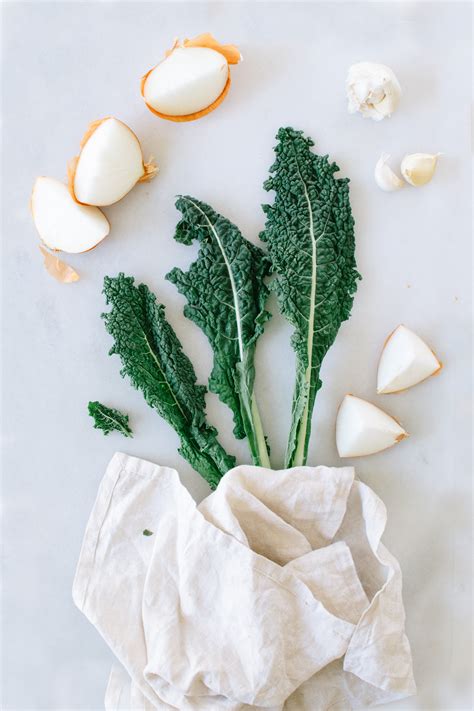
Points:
[[65, 64]]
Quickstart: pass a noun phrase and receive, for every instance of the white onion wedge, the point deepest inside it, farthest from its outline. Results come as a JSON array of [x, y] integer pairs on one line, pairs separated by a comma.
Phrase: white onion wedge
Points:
[[192, 80], [406, 360], [187, 81], [363, 428], [109, 165], [62, 223]]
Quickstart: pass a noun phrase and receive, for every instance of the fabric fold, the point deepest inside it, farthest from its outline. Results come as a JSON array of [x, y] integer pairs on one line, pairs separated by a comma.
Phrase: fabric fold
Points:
[[276, 583]]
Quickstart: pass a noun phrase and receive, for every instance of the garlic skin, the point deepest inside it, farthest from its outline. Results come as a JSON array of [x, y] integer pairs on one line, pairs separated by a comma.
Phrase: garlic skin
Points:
[[372, 90], [109, 165], [384, 176], [419, 168], [363, 428], [189, 80], [62, 223], [406, 360]]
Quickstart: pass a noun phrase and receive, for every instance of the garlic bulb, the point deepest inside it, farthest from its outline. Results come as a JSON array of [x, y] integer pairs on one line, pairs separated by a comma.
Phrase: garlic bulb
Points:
[[406, 360], [419, 168], [385, 178], [62, 223], [372, 90], [191, 81], [109, 165], [363, 428]]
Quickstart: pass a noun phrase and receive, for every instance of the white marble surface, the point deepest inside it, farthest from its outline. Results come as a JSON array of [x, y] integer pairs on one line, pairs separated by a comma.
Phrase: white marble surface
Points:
[[66, 64]]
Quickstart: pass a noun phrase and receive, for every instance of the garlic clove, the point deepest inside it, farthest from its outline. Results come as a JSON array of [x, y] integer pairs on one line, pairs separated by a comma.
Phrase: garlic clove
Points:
[[109, 165], [62, 223], [191, 81], [419, 168], [385, 178], [406, 360], [363, 428], [372, 90]]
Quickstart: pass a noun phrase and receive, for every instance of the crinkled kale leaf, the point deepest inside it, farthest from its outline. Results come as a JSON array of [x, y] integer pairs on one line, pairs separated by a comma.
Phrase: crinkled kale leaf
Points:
[[226, 297], [153, 359], [108, 419], [310, 236]]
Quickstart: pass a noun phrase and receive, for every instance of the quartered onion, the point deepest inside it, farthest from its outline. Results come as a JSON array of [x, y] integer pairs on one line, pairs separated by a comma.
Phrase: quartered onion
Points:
[[109, 165], [62, 223], [406, 360], [191, 81], [363, 428]]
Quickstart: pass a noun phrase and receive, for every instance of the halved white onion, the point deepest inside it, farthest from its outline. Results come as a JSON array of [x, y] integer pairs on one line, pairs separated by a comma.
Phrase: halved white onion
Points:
[[109, 165], [192, 80], [363, 428], [189, 80], [406, 360], [62, 223]]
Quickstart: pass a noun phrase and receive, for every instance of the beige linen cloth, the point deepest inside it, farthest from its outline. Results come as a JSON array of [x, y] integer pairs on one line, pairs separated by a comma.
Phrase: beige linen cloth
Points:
[[274, 593]]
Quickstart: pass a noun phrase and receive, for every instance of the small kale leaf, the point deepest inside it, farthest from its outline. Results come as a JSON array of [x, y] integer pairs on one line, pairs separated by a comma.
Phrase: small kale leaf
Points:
[[108, 419]]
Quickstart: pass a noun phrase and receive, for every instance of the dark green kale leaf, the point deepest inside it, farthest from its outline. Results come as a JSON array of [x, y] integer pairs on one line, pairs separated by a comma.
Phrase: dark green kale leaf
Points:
[[108, 420], [153, 359], [310, 236], [226, 298]]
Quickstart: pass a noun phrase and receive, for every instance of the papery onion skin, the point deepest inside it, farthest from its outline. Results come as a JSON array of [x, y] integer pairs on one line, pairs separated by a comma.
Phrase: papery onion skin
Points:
[[58, 269]]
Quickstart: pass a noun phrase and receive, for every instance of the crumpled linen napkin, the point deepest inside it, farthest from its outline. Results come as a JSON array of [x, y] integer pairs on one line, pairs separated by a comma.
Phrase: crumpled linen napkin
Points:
[[274, 593]]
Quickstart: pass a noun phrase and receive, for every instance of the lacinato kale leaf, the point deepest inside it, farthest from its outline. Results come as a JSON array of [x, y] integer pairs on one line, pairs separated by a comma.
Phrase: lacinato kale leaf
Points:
[[153, 359], [226, 297], [309, 231], [108, 419]]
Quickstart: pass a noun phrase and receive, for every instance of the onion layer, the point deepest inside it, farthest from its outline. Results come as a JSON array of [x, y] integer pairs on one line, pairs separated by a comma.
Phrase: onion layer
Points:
[[62, 223]]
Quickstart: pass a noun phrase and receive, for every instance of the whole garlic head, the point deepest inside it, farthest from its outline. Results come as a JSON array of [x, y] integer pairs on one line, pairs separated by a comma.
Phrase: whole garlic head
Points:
[[419, 168], [373, 90], [385, 178]]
